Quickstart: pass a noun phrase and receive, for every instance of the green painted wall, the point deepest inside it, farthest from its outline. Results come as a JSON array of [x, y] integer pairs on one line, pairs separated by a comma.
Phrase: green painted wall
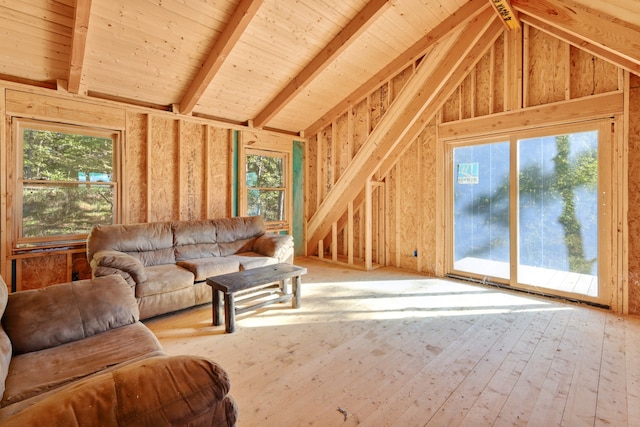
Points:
[[298, 197], [234, 196]]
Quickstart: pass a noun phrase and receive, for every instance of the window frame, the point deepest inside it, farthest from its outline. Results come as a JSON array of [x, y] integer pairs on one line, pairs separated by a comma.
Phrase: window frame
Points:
[[21, 243], [275, 226], [606, 205]]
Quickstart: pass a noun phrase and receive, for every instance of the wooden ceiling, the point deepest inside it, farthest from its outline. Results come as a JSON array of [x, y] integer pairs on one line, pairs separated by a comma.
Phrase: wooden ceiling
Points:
[[277, 64]]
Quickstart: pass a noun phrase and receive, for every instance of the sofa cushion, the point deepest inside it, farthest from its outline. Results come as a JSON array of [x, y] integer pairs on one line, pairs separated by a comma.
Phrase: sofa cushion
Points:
[[231, 248], [58, 314], [5, 358], [164, 278], [5, 343], [151, 243], [212, 266], [202, 293], [119, 261], [195, 239], [239, 228], [249, 260], [275, 245], [155, 305], [238, 234], [160, 391], [69, 362]]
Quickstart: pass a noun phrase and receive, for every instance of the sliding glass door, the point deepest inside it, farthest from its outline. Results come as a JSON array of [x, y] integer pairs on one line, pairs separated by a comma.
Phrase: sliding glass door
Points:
[[527, 210], [481, 200], [558, 212]]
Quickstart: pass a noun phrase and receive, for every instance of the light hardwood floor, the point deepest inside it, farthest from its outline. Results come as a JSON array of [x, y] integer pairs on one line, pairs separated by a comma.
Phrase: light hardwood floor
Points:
[[393, 348]]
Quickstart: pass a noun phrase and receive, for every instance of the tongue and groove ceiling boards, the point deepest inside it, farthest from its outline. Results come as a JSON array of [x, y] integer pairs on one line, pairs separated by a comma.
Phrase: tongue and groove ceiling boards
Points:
[[287, 65]]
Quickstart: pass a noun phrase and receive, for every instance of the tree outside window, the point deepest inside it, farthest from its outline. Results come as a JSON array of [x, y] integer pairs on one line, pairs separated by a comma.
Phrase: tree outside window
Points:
[[265, 179], [66, 182]]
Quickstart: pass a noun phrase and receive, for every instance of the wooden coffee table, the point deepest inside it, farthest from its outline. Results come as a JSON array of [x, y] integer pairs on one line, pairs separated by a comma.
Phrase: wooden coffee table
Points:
[[244, 282]]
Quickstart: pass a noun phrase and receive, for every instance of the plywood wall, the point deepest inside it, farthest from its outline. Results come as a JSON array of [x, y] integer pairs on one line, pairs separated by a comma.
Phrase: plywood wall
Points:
[[163, 169], [408, 218], [545, 68], [135, 165], [428, 200], [31, 271], [219, 172], [411, 192], [634, 196], [176, 168]]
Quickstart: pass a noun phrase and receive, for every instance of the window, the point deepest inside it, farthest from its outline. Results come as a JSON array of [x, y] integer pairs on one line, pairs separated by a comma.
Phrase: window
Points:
[[266, 178], [530, 210], [66, 182]]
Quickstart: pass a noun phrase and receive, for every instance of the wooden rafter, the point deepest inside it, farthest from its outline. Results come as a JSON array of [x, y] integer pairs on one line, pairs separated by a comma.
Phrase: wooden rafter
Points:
[[239, 21], [588, 28], [428, 88], [507, 14], [331, 51], [463, 15], [78, 44]]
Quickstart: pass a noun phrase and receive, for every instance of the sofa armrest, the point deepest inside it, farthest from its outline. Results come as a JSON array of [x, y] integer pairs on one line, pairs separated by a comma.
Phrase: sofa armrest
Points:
[[43, 318], [107, 262], [275, 245], [159, 391]]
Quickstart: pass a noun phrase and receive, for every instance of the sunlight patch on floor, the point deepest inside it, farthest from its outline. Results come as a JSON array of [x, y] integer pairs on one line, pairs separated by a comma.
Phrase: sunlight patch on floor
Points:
[[396, 300]]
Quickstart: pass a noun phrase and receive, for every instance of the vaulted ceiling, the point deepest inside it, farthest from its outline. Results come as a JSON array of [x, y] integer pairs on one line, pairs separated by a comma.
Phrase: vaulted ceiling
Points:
[[278, 64]]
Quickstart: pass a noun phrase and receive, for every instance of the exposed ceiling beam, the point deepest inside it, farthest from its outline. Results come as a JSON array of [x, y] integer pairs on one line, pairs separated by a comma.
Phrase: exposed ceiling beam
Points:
[[238, 23], [331, 51], [463, 15], [609, 34], [79, 32], [585, 45], [435, 79]]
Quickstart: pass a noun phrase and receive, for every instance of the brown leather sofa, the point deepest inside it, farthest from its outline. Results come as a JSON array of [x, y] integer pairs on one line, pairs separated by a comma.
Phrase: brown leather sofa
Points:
[[77, 354], [167, 263]]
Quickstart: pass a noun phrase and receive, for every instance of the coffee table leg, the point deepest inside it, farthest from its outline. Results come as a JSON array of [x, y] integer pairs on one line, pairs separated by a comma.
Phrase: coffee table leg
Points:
[[284, 286], [229, 313], [216, 307], [296, 291]]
